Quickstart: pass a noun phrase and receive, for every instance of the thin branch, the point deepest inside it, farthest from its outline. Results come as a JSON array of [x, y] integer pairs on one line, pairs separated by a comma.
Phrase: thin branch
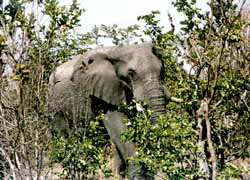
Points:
[[11, 165], [217, 72], [243, 99], [203, 164], [210, 143], [242, 6]]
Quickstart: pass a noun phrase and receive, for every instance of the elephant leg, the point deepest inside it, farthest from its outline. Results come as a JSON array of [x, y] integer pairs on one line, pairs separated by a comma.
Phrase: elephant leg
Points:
[[114, 125], [60, 124]]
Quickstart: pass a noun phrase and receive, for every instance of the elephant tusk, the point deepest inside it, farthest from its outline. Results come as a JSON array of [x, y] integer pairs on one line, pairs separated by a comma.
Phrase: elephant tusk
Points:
[[177, 100], [139, 107], [171, 98]]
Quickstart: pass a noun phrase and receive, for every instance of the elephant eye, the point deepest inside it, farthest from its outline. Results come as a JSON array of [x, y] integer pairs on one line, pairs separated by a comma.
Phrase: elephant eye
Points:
[[90, 61], [132, 74]]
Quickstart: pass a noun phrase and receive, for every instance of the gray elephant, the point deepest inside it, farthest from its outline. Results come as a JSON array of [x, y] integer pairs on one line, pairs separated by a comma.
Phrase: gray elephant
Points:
[[102, 79]]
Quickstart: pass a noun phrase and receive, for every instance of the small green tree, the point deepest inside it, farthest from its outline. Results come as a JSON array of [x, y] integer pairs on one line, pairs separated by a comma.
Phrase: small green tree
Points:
[[29, 52], [215, 88]]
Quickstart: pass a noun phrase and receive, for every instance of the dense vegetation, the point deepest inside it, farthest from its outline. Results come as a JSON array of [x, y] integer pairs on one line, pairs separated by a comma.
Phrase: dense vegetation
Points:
[[207, 136]]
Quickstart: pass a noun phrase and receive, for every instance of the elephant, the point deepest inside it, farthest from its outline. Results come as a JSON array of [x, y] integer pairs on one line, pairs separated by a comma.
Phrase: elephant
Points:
[[102, 79]]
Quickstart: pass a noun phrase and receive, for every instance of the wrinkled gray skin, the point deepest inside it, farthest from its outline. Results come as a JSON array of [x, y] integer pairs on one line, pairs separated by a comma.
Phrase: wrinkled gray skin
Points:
[[102, 79]]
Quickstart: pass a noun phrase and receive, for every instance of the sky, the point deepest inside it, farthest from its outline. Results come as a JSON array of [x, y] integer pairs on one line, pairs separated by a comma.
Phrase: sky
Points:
[[122, 12], [125, 12]]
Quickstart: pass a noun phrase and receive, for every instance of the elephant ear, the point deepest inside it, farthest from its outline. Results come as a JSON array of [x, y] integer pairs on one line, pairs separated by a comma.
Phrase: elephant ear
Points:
[[101, 81]]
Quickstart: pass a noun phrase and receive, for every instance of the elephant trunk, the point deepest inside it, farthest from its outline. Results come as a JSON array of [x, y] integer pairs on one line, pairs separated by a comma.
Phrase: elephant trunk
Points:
[[157, 99]]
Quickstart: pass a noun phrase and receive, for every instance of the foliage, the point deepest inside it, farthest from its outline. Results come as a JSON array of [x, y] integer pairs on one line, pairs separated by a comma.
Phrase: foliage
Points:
[[216, 88], [230, 171], [81, 153], [118, 36], [29, 52], [168, 146], [199, 138]]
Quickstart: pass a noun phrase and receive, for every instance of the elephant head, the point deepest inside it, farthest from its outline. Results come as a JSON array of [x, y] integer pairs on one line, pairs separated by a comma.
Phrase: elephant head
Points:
[[123, 73], [142, 70]]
